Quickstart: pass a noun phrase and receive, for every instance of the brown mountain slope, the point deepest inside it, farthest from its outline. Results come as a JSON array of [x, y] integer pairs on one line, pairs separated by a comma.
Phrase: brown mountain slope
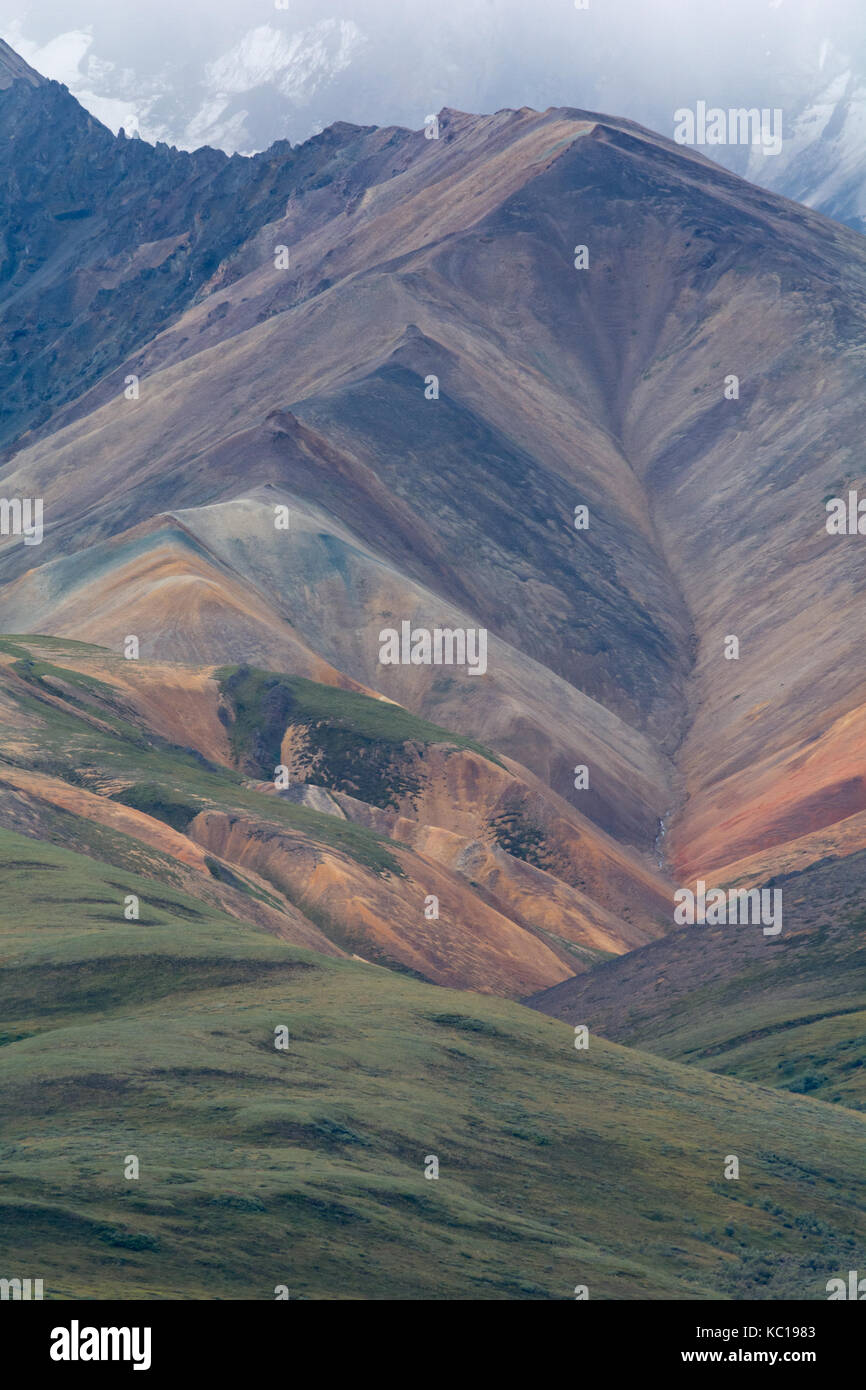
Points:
[[220, 581], [558, 387]]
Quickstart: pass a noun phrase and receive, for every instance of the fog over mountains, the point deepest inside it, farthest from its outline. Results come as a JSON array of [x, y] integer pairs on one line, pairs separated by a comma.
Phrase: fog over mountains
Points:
[[222, 73], [549, 376]]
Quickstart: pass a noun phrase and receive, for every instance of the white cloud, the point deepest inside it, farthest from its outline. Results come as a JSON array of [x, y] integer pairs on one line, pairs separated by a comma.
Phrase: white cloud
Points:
[[59, 59], [111, 112]]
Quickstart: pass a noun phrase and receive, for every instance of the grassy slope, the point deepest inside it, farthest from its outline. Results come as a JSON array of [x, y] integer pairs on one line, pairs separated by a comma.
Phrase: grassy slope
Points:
[[91, 738], [305, 1168], [788, 1011], [310, 701], [357, 744]]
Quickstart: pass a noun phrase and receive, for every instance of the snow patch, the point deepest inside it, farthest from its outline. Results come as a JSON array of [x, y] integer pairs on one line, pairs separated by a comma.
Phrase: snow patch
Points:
[[296, 64]]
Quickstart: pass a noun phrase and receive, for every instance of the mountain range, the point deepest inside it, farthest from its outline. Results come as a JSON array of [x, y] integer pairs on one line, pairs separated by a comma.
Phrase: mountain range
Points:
[[547, 376], [239, 82]]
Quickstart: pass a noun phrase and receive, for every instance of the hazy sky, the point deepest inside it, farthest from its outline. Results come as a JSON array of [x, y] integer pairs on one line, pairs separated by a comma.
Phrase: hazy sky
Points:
[[183, 67]]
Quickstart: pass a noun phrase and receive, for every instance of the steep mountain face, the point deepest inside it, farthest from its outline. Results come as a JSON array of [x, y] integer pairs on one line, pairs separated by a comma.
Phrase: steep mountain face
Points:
[[106, 240], [13, 69], [303, 378]]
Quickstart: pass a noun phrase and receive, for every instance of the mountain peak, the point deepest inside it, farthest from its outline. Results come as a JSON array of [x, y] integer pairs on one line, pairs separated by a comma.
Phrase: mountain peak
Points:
[[14, 69]]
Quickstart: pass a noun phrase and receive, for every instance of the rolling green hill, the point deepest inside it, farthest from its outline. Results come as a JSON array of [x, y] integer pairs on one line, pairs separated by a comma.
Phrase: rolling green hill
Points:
[[305, 1167], [788, 1011]]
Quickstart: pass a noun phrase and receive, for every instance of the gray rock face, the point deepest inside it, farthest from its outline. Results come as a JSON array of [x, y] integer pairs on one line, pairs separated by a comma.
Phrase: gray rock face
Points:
[[14, 69], [103, 240], [316, 798]]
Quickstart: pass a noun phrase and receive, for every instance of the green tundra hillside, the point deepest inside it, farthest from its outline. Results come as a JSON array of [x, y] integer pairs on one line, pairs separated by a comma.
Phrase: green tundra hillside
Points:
[[304, 1167]]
